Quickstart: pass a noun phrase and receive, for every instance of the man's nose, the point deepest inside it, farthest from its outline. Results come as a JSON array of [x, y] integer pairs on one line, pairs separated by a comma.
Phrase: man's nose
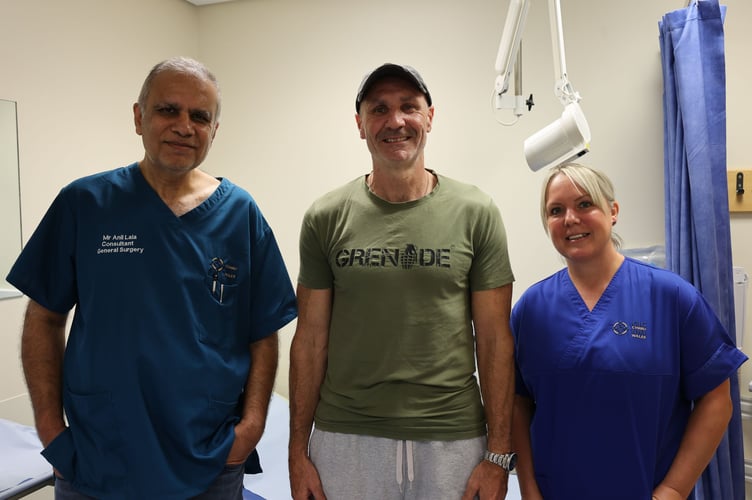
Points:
[[396, 119], [183, 125]]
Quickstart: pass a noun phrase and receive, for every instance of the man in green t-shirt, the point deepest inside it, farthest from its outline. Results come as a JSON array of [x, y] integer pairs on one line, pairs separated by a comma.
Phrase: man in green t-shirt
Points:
[[404, 294]]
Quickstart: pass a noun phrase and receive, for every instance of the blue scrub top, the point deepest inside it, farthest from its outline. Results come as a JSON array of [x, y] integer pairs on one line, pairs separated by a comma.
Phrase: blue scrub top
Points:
[[165, 309], [613, 387]]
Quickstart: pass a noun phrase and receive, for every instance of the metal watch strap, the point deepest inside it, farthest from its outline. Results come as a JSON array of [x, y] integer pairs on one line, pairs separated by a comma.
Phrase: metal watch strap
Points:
[[503, 460]]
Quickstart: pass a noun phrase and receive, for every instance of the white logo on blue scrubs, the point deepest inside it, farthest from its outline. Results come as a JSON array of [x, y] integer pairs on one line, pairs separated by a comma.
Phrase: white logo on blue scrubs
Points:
[[620, 328]]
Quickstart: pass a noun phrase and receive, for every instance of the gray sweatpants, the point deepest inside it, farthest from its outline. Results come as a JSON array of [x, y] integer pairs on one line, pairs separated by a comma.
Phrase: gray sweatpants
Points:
[[372, 468]]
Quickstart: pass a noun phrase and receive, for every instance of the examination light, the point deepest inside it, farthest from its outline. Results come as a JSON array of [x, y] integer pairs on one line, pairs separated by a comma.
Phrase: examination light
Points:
[[566, 138]]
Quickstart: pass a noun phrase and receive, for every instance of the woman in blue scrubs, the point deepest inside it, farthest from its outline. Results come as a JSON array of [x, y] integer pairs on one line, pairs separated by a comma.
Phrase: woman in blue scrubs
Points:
[[622, 368]]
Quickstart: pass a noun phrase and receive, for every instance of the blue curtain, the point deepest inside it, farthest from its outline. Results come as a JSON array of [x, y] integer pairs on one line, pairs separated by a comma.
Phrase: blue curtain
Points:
[[698, 235]]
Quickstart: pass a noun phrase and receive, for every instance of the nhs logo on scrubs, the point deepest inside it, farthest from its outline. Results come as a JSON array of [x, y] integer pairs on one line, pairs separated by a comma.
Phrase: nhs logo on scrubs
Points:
[[638, 329], [620, 328]]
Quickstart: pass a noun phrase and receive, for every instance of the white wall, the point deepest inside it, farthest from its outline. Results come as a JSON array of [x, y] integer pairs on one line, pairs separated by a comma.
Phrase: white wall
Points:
[[289, 70]]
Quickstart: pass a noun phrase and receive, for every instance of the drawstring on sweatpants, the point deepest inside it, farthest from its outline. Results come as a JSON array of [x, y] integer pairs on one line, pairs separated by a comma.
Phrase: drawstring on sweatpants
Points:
[[410, 464]]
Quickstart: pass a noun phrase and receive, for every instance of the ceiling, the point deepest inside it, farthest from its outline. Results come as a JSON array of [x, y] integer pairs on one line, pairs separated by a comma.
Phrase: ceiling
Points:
[[206, 2]]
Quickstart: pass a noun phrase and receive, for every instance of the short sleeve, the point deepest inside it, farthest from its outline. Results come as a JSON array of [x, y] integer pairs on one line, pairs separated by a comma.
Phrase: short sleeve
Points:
[[491, 266], [45, 270], [709, 356], [315, 271]]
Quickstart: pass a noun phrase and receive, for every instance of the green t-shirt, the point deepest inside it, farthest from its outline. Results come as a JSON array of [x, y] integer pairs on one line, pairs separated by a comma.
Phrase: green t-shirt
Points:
[[401, 357]]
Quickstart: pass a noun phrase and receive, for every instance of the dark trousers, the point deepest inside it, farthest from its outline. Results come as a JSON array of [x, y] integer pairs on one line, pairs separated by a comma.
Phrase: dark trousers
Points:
[[227, 486]]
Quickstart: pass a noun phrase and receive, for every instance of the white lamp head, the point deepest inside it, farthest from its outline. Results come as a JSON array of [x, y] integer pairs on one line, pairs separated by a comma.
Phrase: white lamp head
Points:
[[563, 140]]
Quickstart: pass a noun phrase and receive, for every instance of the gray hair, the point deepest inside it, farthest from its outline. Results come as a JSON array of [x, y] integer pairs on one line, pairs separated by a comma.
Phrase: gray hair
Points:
[[593, 182], [179, 64]]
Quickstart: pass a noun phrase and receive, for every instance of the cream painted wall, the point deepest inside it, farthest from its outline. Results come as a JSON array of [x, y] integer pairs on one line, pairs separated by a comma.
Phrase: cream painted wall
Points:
[[289, 70]]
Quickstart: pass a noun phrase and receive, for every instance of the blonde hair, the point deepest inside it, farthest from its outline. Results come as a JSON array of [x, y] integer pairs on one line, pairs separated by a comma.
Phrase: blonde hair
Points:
[[591, 181]]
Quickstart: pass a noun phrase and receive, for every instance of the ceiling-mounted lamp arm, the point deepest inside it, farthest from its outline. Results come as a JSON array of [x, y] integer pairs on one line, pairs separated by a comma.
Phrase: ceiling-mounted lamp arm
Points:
[[563, 88], [566, 138], [509, 46], [509, 60]]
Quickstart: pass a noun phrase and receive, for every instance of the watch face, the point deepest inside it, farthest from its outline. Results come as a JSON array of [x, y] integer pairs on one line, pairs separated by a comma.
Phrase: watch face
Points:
[[512, 462]]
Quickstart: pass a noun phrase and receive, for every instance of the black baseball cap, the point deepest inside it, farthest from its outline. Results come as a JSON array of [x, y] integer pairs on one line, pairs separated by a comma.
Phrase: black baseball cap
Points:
[[391, 70]]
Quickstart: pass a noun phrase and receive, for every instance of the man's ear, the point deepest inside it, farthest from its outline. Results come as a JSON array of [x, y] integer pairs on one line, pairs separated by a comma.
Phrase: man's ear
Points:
[[359, 122], [137, 117]]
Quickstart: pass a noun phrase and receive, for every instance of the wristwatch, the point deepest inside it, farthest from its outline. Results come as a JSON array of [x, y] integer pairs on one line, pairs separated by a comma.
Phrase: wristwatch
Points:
[[507, 461]]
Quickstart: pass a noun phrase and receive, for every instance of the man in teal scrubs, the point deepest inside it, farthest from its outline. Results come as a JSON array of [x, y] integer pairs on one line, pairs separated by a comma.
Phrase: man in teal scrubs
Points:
[[179, 288]]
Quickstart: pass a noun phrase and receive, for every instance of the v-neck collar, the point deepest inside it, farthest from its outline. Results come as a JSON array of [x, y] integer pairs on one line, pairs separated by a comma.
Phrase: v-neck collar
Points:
[[602, 301], [195, 213]]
